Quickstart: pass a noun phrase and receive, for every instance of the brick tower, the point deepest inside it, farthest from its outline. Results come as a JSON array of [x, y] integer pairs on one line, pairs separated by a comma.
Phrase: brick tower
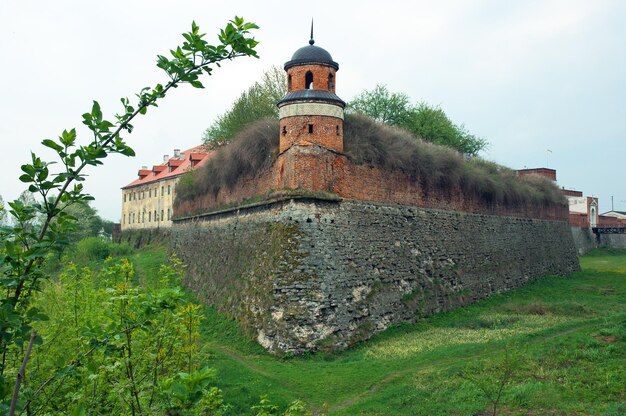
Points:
[[311, 113]]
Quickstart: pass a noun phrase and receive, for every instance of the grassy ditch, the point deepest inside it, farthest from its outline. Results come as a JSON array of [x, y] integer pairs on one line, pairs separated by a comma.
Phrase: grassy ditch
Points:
[[561, 340]]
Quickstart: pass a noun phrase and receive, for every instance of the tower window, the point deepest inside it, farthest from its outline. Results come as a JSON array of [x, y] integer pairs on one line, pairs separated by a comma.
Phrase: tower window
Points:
[[310, 128], [337, 130], [284, 130], [308, 81], [289, 83], [331, 85]]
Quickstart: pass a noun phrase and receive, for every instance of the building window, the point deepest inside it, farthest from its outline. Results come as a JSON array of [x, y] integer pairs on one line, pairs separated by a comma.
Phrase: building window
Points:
[[310, 128], [169, 189], [284, 130], [150, 216], [124, 197], [168, 214], [155, 216], [308, 80], [149, 193], [162, 192], [337, 130], [289, 83], [161, 215], [124, 221], [331, 86]]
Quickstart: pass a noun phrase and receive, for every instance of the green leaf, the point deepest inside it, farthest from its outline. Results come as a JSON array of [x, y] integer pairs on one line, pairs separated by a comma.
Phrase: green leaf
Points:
[[79, 411], [52, 145], [96, 113]]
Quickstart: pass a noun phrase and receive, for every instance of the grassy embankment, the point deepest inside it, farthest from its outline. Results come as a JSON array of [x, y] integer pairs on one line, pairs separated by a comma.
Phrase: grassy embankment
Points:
[[562, 338]]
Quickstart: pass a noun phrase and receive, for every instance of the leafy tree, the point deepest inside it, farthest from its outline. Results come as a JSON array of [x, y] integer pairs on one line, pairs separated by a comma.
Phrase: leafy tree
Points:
[[433, 125], [424, 121], [383, 106], [24, 248], [88, 223], [256, 102]]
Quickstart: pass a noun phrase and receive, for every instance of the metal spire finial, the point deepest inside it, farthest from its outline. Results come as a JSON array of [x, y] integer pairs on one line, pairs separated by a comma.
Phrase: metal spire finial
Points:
[[311, 41]]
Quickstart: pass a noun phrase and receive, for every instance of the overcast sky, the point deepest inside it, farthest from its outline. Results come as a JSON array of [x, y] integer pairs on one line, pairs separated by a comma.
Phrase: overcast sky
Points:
[[528, 76]]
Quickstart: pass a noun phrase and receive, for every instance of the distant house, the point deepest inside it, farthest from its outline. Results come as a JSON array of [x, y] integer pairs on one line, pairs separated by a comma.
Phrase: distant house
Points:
[[583, 210], [613, 219], [616, 214], [147, 202]]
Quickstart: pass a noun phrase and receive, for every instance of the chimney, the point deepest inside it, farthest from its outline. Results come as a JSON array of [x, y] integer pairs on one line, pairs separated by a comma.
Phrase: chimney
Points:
[[176, 153], [166, 158]]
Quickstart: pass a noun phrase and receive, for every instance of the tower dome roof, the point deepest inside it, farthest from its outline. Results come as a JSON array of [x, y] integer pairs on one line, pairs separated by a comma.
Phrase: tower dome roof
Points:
[[311, 54]]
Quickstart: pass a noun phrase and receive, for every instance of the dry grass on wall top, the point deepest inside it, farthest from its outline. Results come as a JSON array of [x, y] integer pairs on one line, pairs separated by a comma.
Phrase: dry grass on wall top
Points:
[[441, 168], [366, 142], [253, 149]]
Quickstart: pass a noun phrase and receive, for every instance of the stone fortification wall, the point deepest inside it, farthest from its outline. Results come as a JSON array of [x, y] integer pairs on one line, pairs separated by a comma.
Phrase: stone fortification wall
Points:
[[310, 274], [612, 240], [584, 239]]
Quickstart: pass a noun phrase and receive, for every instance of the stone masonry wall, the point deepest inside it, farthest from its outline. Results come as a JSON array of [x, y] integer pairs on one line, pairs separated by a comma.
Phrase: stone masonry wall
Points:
[[584, 239], [612, 240], [305, 275]]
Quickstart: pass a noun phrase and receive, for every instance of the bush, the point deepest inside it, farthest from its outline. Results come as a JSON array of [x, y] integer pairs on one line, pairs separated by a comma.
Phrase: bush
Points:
[[92, 248], [98, 248]]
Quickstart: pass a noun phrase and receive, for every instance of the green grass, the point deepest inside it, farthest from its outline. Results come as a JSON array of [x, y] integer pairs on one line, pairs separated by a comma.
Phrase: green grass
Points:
[[567, 337]]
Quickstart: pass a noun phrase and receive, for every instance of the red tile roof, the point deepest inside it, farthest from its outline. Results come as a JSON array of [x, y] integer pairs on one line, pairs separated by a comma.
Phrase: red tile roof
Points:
[[192, 158]]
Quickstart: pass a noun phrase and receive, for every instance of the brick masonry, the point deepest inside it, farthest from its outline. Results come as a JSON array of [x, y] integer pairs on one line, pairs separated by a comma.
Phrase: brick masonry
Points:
[[310, 130], [320, 73], [304, 275], [314, 168]]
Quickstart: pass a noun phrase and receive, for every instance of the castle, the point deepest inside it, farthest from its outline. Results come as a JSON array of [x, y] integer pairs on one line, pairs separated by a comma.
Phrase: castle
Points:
[[346, 249]]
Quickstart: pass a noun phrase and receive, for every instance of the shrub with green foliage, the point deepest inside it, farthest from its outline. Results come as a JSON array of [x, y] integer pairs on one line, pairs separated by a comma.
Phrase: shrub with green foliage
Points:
[[429, 123], [114, 347], [97, 249]]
